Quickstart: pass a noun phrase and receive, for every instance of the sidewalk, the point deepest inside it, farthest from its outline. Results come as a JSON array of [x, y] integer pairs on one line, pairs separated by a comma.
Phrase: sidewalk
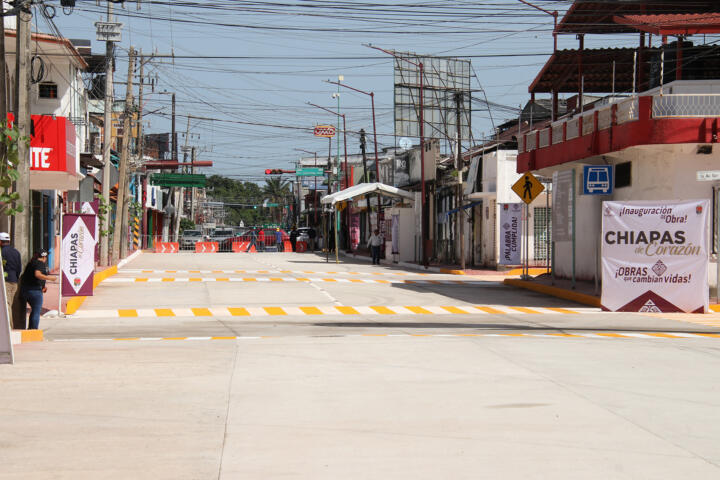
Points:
[[583, 292]]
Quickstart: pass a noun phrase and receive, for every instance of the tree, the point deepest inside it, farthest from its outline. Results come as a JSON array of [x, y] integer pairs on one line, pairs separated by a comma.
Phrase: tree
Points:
[[277, 190], [9, 204], [242, 197]]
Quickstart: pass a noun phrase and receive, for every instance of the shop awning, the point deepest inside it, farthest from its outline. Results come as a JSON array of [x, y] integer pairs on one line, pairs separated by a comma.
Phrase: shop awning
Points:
[[365, 189]]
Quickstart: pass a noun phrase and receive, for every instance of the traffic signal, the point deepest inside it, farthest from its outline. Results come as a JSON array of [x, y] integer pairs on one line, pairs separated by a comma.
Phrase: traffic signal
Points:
[[273, 171]]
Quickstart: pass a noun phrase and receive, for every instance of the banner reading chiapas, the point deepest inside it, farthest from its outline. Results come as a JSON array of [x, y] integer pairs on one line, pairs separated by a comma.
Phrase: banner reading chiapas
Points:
[[510, 233], [78, 255], [655, 256]]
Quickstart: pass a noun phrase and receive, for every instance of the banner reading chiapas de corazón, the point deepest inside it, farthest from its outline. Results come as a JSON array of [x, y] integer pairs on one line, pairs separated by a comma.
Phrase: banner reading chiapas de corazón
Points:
[[655, 256], [78, 258]]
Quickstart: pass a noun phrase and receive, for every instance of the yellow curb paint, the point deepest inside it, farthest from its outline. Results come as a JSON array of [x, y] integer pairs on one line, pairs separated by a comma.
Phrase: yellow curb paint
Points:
[[555, 292], [455, 310], [711, 335], [238, 312], [662, 335], [419, 310], [274, 311], [168, 279], [141, 279], [356, 280], [100, 277], [382, 281], [347, 310], [490, 310], [531, 271], [419, 335], [563, 335], [127, 313], [525, 310], [311, 311], [715, 308], [201, 312], [74, 304], [468, 335], [174, 338], [303, 279], [383, 310], [513, 335], [452, 271], [613, 335], [329, 280], [164, 312], [562, 310], [223, 338], [31, 336]]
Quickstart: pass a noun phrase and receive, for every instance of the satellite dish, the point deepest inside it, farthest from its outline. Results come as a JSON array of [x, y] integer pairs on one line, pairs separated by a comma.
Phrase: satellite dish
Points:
[[405, 143]]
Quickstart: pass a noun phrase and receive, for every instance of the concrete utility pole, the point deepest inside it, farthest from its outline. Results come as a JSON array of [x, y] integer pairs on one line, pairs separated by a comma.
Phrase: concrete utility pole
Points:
[[180, 210], [22, 119], [119, 238], [107, 139], [459, 166], [141, 144], [192, 197]]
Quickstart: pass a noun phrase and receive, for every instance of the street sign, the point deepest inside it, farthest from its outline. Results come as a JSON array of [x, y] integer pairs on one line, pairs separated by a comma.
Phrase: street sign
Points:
[[528, 188], [597, 179], [310, 172], [178, 180], [708, 175], [108, 31], [324, 131]]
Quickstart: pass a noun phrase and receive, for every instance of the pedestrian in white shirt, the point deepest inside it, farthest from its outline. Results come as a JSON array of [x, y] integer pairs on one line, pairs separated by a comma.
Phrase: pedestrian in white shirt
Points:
[[374, 243]]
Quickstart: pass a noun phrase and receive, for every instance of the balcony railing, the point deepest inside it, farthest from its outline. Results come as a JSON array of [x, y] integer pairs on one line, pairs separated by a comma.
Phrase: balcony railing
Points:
[[618, 113]]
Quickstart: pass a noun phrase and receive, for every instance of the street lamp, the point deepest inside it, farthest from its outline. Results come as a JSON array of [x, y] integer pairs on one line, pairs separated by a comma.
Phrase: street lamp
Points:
[[421, 121], [347, 181]]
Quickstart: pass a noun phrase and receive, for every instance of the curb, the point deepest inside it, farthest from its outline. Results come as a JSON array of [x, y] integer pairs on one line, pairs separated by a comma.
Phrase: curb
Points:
[[26, 336], [582, 298], [74, 303], [412, 266]]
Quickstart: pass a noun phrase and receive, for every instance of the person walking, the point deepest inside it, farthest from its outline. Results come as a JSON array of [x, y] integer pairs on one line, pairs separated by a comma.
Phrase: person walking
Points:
[[279, 240], [293, 237], [253, 241], [374, 243], [311, 237], [12, 264], [32, 285]]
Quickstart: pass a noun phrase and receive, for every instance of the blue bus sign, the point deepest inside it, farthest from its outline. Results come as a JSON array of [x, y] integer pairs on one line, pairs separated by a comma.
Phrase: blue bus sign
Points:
[[597, 179]]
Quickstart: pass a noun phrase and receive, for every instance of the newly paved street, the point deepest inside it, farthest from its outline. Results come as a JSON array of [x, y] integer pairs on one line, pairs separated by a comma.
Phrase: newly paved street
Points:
[[229, 366]]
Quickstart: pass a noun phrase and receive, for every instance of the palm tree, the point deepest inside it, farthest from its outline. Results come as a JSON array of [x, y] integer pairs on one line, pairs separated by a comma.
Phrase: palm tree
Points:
[[276, 189]]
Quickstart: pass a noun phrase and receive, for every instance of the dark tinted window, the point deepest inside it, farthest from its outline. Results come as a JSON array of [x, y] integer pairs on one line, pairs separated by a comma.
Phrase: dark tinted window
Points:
[[623, 174]]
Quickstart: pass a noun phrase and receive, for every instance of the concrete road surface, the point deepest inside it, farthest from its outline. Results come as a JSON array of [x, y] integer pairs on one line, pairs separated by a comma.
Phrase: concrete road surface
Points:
[[232, 366]]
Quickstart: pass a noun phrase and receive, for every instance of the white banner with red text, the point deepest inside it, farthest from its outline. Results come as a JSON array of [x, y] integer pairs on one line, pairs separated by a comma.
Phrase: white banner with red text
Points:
[[655, 256]]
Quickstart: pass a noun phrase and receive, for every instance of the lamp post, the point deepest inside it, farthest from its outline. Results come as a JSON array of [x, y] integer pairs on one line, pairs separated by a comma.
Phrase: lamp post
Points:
[[421, 121]]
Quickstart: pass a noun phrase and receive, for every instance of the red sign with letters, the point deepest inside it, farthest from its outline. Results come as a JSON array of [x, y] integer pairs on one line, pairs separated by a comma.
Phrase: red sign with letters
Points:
[[52, 147]]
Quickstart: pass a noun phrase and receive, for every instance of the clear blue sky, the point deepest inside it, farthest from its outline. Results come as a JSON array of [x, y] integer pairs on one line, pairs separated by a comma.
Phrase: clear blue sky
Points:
[[291, 46]]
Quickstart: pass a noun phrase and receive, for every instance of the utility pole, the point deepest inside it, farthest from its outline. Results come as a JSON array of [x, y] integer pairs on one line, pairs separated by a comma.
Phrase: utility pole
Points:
[[107, 139], [364, 158], [459, 167], [22, 119], [119, 239], [140, 143], [181, 204], [192, 197]]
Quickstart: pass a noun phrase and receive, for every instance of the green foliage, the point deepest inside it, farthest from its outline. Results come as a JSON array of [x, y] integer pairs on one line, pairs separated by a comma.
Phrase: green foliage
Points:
[[227, 190], [277, 190], [104, 208], [135, 209], [186, 224], [9, 200]]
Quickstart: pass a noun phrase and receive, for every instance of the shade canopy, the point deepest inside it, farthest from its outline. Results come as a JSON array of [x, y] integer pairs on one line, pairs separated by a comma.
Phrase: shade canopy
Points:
[[365, 189]]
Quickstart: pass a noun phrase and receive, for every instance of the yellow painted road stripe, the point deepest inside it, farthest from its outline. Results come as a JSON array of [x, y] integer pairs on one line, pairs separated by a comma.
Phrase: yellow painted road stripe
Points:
[[164, 312], [222, 279], [489, 310], [274, 311], [124, 339], [329, 280], [613, 335], [454, 310], [201, 312], [347, 310], [525, 310], [661, 335], [416, 309], [311, 311], [141, 279], [562, 310], [223, 338], [168, 279], [174, 338], [383, 310], [303, 279], [238, 312], [126, 313], [274, 279], [194, 279], [249, 279]]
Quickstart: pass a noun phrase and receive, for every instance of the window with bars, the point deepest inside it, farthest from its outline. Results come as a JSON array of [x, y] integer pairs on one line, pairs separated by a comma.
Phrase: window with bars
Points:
[[542, 218]]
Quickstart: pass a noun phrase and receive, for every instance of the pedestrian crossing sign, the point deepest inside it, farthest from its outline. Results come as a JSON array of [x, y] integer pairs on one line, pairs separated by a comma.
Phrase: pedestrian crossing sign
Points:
[[528, 187]]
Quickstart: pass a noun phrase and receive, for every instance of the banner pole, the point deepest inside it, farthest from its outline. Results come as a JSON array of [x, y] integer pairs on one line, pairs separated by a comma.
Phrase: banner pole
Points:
[[717, 247], [572, 192], [60, 258], [6, 348]]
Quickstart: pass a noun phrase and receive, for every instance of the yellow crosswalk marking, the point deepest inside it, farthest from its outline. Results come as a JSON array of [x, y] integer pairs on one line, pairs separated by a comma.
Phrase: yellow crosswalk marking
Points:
[[238, 312], [562, 310], [383, 310], [416, 309], [222, 279], [201, 312], [168, 279], [525, 310], [454, 310], [489, 310], [274, 311], [127, 313], [311, 311], [164, 312], [347, 310]]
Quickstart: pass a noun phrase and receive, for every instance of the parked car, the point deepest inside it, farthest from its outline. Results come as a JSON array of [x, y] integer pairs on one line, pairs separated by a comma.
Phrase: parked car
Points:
[[189, 238], [221, 236]]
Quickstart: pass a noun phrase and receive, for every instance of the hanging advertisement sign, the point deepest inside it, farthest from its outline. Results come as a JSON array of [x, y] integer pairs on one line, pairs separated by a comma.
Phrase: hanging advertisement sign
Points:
[[655, 256], [78, 255], [510, 233]]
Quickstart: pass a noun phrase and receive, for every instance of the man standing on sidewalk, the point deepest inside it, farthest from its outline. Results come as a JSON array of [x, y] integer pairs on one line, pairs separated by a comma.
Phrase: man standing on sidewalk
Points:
[[12, 264], [374, 244]]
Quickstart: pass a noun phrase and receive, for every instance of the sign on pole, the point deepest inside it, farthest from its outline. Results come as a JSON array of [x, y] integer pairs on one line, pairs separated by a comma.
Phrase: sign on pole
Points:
[[655, 256], [528, 188], [108, 31], [78, 255], [510, 233], [324, 131], [310, 172], [597, 180]]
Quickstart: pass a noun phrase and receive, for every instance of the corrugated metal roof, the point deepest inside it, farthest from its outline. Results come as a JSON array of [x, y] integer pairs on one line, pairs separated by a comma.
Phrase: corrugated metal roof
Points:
[[675, 24]]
